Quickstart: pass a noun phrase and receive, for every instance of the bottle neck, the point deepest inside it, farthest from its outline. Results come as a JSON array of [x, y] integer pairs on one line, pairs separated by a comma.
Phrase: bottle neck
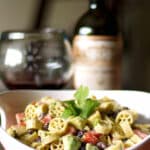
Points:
[[96, 4]]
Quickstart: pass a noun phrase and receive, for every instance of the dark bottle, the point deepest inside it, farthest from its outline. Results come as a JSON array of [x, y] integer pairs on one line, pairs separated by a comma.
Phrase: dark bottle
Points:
[[96, 48]]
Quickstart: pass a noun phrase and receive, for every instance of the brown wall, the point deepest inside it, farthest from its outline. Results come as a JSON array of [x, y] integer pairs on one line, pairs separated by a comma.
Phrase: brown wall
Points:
[[17, 14]]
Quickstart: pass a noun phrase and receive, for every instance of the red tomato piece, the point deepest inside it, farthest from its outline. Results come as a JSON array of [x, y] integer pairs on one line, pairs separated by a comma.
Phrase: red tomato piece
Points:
[[141, 134], [71, 130], [20, 119], [46, 119], [91, 137]]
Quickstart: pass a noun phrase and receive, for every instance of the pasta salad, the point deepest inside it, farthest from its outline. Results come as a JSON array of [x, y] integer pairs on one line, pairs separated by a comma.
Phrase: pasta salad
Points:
[[82, 123]]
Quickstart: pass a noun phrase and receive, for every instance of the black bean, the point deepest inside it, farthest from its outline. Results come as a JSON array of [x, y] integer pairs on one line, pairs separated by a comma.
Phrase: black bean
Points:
[[45, 126], [38, 139], [101, 145], [80, 133], [82, 147], [41, 116], [30, 131]]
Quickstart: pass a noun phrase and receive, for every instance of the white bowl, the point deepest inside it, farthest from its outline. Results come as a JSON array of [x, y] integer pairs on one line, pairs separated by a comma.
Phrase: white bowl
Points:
[[12, 102]]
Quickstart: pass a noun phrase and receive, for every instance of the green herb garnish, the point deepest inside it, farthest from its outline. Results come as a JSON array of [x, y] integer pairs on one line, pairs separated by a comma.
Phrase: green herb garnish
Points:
[[82, 105], [71, 109], [81, 95], [88, 108]]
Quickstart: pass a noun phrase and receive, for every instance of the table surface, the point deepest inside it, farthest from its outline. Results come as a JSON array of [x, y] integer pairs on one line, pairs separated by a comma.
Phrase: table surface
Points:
[[146, 146]]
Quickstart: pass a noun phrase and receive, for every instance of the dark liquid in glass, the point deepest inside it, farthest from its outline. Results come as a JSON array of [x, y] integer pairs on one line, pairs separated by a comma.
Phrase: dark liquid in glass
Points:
[[48, 85]]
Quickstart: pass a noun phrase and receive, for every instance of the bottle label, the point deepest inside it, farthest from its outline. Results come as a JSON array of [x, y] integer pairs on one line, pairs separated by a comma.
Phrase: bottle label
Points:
[[97, 62]]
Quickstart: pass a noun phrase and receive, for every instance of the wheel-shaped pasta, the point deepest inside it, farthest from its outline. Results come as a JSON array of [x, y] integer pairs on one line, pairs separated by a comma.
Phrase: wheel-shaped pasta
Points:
[[108, 105], [132, 141], [77, 122], [16, 130], [57, 145], [127, 129], [108, 119], [117, 132], [35, 144], [33, 124], [144, 127], [29, 138], [94, 118], [47, 137], [56, 109], [30, 112], [116, 145], [41, 109], [126, 115], [135, 138], [103, 127], [43, 147], [106, 139], [11, 131], [48, 100], [57, 126]]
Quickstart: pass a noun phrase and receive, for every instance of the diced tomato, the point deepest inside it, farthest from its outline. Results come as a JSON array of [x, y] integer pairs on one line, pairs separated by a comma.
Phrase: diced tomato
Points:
[[46, 119], [141, 134], [20, 118], [91, 137], [71, 130]]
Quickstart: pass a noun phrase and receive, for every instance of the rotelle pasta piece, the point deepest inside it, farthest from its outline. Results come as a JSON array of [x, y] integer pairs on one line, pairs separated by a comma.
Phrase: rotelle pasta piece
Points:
[[108, 105], [116, 145], [28, 138], [30, 112], [127, 129], [42, 147], [58, 126], [103, 127], [41, 108], [144, 127], [57, 145], [77, 122], [56, 109], [16, 130], [117, 132], [48, 100], [94, 118], [47, 137], [126, 115], [132, 141], [33, 124]]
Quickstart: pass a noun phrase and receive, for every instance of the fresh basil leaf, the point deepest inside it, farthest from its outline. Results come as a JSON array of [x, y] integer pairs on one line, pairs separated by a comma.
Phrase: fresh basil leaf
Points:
[[81, 106], [81, 95], [71, 109], [89, 108], [67, 113]]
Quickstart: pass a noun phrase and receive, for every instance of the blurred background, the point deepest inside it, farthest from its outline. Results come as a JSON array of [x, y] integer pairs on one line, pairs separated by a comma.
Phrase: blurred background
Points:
[[133, 17]]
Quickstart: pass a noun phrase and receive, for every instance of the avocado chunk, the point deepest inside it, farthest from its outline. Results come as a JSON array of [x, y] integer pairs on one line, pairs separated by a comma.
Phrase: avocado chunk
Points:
[[90, 147], [71, 142]]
